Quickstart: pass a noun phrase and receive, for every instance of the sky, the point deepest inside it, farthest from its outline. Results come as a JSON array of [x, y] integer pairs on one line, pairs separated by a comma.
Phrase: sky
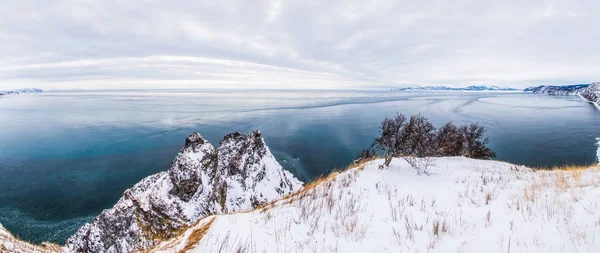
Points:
[[306, 44]]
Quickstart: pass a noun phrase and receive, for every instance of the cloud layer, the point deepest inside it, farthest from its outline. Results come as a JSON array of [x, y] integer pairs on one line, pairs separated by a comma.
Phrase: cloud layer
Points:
[[296, 44]]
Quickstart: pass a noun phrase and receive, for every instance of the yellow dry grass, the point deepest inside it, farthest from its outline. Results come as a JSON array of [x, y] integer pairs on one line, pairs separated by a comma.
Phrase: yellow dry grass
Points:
[[197, 235], [24, 246], [559, 179]]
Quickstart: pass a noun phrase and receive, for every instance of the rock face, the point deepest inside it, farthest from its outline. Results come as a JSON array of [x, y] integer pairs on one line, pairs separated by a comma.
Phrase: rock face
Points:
[[239, 175]]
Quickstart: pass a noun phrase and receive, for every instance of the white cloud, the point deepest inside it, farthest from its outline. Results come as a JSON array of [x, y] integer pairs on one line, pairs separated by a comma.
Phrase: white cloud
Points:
[[296, 44]]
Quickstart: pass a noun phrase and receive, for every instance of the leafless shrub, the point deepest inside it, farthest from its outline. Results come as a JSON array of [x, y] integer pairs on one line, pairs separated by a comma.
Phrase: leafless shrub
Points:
[[417, 137], [421, 165]]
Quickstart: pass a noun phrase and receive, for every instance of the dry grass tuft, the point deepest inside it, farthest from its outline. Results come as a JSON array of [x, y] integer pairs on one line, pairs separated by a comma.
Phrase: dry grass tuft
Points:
[[19, 245], [570, 167], [197, 235]]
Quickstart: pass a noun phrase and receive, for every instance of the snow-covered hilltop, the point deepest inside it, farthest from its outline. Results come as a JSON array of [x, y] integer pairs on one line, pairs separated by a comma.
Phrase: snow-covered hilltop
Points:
[[239, 175], [446, 88], [589, 92], [19, 91], [465, 206]]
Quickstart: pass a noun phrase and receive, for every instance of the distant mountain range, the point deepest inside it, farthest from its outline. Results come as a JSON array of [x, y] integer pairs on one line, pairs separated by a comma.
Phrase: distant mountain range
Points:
[[19, 91], [588, 92], [446, 88], [558, 90]]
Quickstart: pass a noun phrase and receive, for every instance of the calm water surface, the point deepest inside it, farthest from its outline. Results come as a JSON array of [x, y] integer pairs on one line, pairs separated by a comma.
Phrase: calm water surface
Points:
[[65, 156]]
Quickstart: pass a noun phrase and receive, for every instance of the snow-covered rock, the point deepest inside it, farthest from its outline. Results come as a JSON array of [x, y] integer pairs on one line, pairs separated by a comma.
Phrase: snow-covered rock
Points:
[[239, 175], [465, 205]]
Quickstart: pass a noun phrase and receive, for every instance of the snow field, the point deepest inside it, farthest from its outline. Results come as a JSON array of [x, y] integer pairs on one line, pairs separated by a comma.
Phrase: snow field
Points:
[[465, 205]]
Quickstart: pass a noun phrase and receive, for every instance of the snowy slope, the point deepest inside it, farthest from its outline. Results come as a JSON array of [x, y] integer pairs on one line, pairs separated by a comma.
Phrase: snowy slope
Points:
[[464, 206], [239, 175]]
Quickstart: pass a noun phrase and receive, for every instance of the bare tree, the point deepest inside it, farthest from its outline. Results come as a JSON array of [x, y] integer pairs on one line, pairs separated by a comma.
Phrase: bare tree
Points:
[[449, 140], [474, 144], [417, 141], [390, 136], [417, 137]]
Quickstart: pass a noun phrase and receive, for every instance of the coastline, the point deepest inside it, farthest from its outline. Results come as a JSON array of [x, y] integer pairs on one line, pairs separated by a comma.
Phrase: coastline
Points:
[[591, 102]]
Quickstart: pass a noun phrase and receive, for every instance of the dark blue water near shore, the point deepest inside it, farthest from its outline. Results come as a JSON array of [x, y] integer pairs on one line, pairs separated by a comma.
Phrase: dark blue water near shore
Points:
[[66, 156]]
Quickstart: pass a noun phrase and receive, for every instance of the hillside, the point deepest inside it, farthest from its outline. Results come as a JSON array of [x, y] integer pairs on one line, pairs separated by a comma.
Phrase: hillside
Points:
[[464, 206]]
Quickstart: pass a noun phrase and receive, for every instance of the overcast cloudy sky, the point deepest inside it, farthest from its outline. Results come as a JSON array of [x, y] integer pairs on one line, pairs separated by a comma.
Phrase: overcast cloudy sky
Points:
[[297, 44]]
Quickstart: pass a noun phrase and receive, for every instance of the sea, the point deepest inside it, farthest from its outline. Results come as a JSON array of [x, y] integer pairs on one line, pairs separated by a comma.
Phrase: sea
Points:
[[66, 156]]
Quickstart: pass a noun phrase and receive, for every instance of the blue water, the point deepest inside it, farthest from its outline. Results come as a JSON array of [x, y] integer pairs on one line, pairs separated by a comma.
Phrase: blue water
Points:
[[66, 156]]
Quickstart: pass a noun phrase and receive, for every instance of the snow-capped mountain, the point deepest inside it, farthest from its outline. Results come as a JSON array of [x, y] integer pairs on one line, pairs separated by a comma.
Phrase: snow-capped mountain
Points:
[[589, 92], [18, 91], [558, 90], [446, 88], [239, 175]]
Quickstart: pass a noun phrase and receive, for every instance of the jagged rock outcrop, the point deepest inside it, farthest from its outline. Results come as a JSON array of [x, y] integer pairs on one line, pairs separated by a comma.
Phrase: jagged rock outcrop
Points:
[[239, 175]]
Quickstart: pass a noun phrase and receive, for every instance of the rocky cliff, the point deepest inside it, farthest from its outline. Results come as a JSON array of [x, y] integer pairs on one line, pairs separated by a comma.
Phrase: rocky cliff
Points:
[[238, 175]]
